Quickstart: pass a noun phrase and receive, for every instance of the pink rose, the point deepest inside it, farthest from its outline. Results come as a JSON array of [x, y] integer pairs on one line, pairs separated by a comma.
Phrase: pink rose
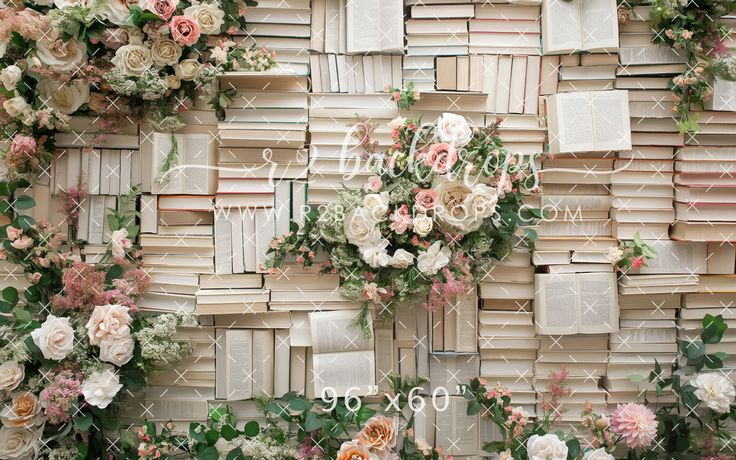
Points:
[[3, 254], [13, 233], [637, 262], [425, 200], [23, 145], [163, 8], [374, 184], [24, 242], [441, 157], [401, 220], [184, 30]]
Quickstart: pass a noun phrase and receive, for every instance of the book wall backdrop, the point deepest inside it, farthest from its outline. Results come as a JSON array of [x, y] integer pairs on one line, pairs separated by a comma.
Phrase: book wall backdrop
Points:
[[582, 276]]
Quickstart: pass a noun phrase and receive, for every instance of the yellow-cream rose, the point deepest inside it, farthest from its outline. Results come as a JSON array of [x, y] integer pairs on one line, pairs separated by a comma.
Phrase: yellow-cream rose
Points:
[[133, 60], [19, 443], [11, 374], [209, 17], [115, 11], [187, 69], [64, 97], [165, 51], [54, 52], [16, 107]]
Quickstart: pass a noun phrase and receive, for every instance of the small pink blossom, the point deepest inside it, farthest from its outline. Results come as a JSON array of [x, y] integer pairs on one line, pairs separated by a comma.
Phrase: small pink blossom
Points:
[[13, 233], [374, 184], [23, 145], [686, 34], [23, 242], [401, 220], [637, 262]]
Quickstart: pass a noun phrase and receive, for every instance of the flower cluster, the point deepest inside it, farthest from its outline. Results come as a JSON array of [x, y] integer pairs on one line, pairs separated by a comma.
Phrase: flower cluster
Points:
[[443, 199], [111, 58]]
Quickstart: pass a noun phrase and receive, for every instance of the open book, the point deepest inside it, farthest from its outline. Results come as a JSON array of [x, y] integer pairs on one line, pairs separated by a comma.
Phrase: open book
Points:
[[589, 121], [375, 25], [343, 360], [582, 303], [590, 25], [196, 153]]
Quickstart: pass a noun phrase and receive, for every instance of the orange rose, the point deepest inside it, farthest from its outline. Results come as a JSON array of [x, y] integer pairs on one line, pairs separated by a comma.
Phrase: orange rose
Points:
[[353, 451], [378, 434], [23, 412]]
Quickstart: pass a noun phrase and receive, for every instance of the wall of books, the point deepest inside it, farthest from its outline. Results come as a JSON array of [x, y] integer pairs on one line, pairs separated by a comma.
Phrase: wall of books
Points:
[[618, 167]]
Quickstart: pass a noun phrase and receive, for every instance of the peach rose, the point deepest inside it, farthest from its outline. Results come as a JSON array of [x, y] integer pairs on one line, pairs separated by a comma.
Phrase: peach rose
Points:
[[13, 233], [184, 30], [23, 242], [425, 200], [107, 320], [441, 157], [11, 374], [352, 451], [378, 434], [24, 411]]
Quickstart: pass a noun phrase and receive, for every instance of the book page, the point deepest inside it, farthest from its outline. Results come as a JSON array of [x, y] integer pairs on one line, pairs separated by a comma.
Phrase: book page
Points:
[[574, 122], [196, 151], [600, 24], [562, 28], [343, 372], [334, 332], [239, 364], [456, 432], [598, 303], [466, 339], [556, 304], [263, 361], [331, 32], [363, 26], [391, 31], [612, 127]]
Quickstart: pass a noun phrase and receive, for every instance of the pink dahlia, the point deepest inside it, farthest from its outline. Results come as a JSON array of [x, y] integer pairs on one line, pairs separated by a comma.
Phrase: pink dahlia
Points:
[[635, 423]]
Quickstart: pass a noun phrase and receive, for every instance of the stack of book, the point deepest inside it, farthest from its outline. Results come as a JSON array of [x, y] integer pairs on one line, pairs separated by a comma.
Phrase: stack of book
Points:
[[521, 134], [192, 378], [505, 29], [434, 30], [281, 27], [105, 171], [294, 289], [690, 324], [431, 106], [340, 73], [638, 56], [584, 357], [705, 189], [658, 284], [454, 328], [512, 83], [587, 72], [509, 280], [335, 156]]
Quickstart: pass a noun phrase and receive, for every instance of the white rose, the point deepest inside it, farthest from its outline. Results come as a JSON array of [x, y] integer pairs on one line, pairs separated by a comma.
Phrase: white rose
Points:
[[598, 454], [16, 107], [101, 387], [434, 258], [375, 254], [70, 3], [614, 254], [483, 201], [119, 242], [453, 205], [54, 52], [19, 443], [108, 320], [397, 123], [187, 69], [117, 350], [547, 447], [423, 224], [165, 51], [55, 338], [376, 204], [115, 11], [506, 455], [361, 228], [11, 374], [64, 97], [715, 391], [43, 2], [3, 49], [11, 76], [133, 60], [135, 35], [209, 17], [453, 129], [401, 259]]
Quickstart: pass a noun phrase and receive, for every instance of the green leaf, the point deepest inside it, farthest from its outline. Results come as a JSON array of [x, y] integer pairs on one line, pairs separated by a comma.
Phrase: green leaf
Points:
[[299, 405], [713, 329], [211, 436], [693, 350], [208, 453], [83, 423], [573, 448], [24, 202], [197, 432], [228, 432], [22, 316], [10, 295], [713, 362], [251, 429], [23, 222], [473, 407], [235, 454], [82, 451], [312, 422], [132, 231]]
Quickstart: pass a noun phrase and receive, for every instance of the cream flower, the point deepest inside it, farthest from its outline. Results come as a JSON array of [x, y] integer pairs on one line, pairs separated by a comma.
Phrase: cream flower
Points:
[[715, 391], [117, 350], [360, 228], [55, 338], [19, 443], [101, 387], [133, 60], [64, 97], [108, 320], [53, 51], [397, 123], [11, 76], [615, 254], [423, 224], [598, 454], [401, 259], [119, 242], [376, 204], [187, 69], [16, 107], [24, 410], [209, 17], [454, 129], [70, 3], [547, 447], [375, 254], [434, 258], [506, 455], [11, 374], [165, 51], [115, 11], [453, 204]]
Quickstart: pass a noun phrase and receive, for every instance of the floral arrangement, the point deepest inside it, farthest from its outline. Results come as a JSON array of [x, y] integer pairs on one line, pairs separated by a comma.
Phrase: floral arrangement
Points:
[[444, 200], [693, 28], [113, 60], [295, 429], [635, 428], [631, 254], [74, 343]]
